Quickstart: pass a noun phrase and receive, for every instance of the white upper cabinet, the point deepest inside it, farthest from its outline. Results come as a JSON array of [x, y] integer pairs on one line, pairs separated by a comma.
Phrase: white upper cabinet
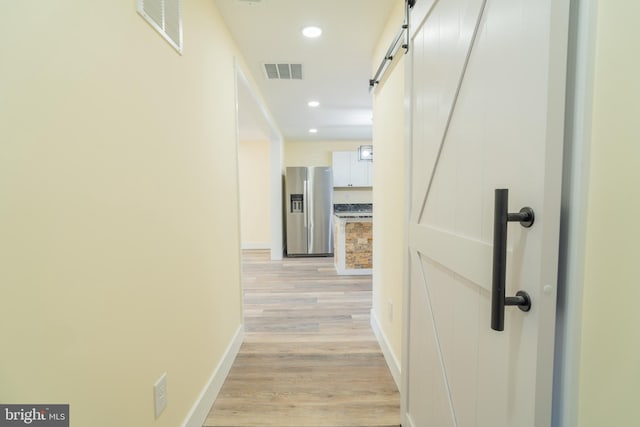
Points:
[[348, 171], [341, 169]]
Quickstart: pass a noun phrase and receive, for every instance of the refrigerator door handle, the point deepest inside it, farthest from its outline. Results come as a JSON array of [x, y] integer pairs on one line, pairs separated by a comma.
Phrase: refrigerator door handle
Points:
[[305, 211]]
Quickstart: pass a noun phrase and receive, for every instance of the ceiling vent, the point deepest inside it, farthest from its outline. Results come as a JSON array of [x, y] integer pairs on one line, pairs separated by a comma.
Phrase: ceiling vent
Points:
[[283, 71]]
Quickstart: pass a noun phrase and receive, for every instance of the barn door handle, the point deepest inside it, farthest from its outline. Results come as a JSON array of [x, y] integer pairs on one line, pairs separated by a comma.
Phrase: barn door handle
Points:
[[501, 217]]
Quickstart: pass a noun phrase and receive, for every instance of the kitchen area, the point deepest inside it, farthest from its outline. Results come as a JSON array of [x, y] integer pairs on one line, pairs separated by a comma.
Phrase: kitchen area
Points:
[[328, 213]]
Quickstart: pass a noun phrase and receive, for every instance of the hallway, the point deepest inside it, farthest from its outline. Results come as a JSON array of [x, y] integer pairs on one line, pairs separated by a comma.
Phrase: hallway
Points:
[[309, 356]]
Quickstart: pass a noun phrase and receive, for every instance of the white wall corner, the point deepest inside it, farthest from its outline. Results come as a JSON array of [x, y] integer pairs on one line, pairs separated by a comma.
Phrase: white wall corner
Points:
[[203, 404], [277, 206], [389, 356]]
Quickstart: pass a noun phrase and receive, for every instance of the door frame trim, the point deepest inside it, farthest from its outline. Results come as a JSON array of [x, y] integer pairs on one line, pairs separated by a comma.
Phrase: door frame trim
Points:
[[406, 289], [573, 220]]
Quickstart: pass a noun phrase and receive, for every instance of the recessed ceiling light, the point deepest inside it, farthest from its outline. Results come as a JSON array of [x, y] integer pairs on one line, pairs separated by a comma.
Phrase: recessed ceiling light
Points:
[[313, 104], [313, 130], [312, 32]]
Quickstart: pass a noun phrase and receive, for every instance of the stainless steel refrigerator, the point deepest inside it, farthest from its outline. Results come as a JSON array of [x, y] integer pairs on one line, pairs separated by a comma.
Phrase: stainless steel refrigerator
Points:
[[309, 211]]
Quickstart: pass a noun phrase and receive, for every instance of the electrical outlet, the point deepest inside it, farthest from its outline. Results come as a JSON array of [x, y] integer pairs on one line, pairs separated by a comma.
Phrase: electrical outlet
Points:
[[160, 394], [390, 310]]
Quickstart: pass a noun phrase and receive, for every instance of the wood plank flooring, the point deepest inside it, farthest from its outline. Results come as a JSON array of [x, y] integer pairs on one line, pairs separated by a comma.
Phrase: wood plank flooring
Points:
[[309, 358]]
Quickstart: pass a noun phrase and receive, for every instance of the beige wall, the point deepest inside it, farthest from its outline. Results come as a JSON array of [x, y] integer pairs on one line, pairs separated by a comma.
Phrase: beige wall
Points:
[[119, 247], [388, 191], [255, 194], [318, 153], [610, 354]]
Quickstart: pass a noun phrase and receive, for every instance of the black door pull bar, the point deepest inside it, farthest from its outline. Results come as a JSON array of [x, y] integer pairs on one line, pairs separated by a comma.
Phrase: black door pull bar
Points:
[[500, 220]]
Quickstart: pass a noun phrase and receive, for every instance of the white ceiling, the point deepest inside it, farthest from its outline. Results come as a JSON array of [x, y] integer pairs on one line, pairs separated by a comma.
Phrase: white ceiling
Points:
[[337, 66]]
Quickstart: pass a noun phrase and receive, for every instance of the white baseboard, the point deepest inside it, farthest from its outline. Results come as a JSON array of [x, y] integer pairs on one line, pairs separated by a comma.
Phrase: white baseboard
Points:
[[389, 356], [255, 245], [200, 409]]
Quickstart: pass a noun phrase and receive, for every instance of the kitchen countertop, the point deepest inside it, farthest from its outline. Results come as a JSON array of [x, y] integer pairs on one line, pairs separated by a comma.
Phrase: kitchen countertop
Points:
[[354, 214]]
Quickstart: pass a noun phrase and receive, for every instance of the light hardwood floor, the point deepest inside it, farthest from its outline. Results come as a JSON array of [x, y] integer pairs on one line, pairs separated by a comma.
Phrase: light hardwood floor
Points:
[[309, 358]]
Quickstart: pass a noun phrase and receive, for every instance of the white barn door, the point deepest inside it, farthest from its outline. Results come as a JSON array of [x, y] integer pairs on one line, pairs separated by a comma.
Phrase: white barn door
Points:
[[486, 85]]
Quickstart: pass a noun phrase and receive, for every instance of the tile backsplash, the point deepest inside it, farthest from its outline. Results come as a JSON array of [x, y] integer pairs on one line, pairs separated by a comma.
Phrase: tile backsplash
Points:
[[353, 207]]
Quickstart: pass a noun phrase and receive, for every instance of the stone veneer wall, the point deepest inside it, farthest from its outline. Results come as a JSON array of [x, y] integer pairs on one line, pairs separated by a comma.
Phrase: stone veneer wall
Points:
[[358, 245], [336, 229]]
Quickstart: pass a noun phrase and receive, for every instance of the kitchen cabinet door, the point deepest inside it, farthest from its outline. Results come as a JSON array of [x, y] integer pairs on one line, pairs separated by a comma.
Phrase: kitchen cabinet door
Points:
[[360, 172], [341, 169], [348, 171]]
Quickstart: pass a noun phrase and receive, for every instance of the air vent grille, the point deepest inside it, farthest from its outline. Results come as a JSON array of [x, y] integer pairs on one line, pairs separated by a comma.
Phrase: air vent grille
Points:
[[296, 71], [283, 71], [165, 16]]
